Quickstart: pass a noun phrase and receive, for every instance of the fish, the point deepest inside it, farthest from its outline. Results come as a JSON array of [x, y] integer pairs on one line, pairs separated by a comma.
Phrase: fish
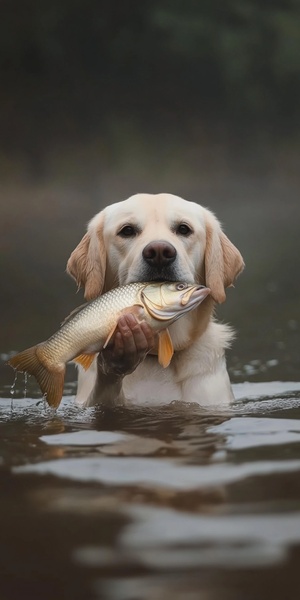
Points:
[[88, 329]]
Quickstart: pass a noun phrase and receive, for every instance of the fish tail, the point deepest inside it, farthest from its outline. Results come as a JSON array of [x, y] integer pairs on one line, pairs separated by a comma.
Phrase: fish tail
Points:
[[51, 381]]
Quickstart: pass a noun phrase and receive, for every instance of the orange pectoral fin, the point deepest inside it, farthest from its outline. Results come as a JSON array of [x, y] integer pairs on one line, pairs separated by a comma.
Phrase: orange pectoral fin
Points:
[[165, 348], [111, 333], [85, 360]]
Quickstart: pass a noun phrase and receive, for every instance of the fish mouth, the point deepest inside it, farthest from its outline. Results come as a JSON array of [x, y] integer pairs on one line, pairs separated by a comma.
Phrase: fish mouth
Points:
[[195, 295]]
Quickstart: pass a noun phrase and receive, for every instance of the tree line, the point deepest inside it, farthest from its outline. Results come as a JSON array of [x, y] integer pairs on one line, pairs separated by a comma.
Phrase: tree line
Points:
[[236, 58]]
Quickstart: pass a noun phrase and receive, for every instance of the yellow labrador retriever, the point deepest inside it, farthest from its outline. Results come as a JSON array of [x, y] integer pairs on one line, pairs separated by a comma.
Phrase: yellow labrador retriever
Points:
[[152, 238]]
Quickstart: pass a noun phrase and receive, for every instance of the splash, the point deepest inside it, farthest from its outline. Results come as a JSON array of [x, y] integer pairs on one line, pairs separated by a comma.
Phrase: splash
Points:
[[25, 384], [13, 390]]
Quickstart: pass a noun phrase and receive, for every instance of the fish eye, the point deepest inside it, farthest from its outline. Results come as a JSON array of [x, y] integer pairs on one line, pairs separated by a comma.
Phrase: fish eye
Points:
[[127, 231], [181, 286], [184, 229]]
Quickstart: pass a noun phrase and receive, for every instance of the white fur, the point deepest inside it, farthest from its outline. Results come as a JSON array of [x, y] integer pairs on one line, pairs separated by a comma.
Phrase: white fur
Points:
[[103, 260]]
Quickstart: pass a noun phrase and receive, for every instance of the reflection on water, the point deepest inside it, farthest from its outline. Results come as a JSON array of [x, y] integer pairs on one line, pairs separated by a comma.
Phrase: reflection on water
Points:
[[142, 504]]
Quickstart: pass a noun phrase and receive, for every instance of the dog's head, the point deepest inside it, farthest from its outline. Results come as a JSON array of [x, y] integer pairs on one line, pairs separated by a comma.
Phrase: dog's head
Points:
[[151, 238]]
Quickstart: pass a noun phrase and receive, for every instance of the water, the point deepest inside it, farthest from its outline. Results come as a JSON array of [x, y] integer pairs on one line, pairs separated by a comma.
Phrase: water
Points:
[[167, 504], [135, 504]]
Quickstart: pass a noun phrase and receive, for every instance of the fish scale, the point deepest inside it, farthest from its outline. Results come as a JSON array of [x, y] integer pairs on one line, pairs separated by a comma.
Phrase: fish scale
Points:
[[91, 324], [87, 329]]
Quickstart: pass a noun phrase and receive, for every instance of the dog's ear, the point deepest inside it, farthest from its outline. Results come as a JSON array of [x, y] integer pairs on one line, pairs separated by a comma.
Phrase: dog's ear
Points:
[[87, 262], [223, 261]]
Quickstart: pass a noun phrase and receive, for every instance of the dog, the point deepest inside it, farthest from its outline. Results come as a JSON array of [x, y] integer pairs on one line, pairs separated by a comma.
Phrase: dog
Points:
[[159, 237]]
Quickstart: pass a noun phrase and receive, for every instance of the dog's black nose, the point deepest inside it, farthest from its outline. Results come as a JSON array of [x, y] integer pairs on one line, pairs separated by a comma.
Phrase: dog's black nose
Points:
[[159, 254]]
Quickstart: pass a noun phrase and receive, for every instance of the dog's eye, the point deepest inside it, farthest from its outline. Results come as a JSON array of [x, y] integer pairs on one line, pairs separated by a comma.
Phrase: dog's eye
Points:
[[127, 231], [184, 229]]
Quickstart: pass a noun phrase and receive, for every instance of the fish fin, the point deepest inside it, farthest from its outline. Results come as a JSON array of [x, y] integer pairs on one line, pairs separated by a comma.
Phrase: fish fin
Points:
[[73, 313], [136, 309], [111, 333], [85, 360], [51, 381], [165, 348]]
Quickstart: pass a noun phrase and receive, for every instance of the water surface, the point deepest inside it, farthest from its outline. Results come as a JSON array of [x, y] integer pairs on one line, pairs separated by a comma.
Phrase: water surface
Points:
[[140, 504]]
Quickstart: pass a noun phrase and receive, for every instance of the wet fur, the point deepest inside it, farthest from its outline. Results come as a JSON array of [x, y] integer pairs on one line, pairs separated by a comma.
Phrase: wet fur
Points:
[[103, 260]]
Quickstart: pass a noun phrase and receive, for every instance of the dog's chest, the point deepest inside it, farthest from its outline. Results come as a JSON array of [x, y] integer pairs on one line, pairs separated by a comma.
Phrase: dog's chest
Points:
[[151, 384]]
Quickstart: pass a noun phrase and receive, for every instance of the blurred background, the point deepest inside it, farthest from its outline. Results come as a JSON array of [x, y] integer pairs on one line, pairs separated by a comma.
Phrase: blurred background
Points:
[[101, 99]]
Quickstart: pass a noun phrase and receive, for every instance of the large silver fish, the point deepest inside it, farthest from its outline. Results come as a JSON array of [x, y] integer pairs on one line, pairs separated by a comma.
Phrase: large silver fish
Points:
[[89, 328]]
